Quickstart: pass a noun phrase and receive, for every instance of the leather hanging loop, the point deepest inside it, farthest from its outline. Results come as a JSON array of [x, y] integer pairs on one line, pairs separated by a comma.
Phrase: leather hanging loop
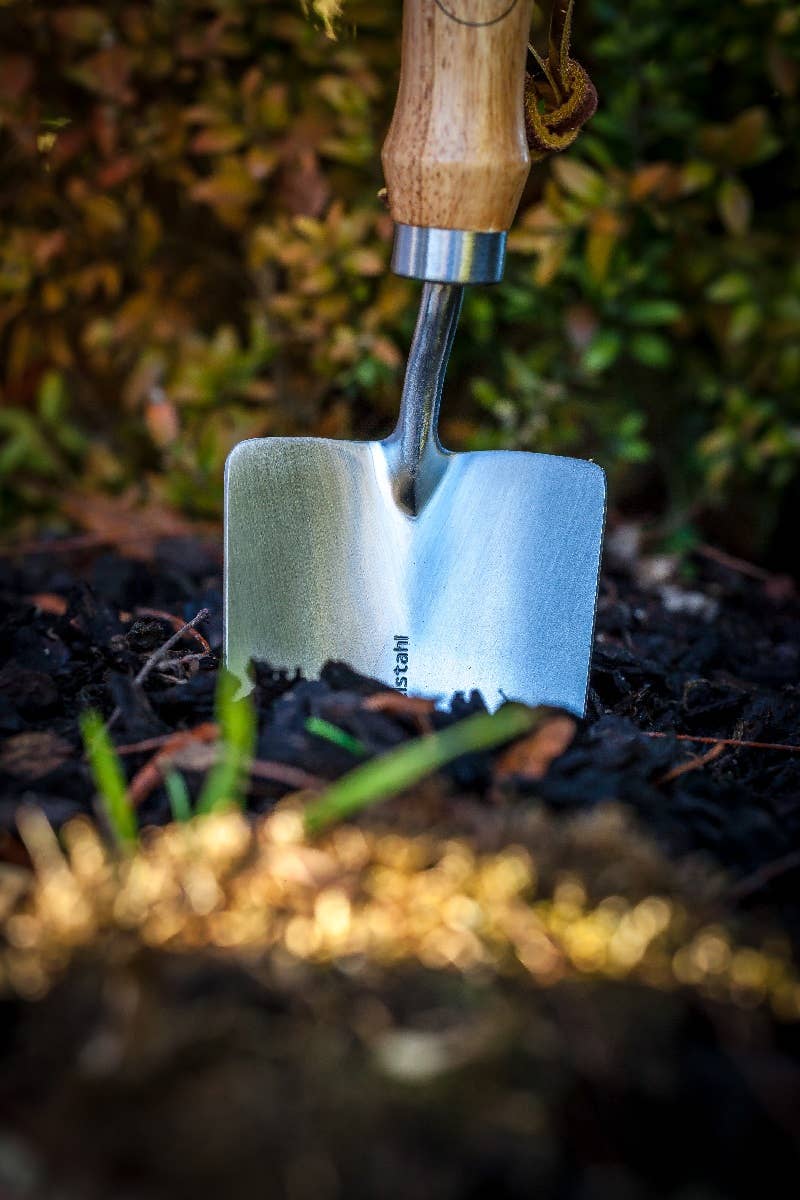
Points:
[[559, 95]]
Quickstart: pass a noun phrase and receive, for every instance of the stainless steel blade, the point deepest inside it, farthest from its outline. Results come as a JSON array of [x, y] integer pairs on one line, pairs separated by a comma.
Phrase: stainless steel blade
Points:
[[435, 572]]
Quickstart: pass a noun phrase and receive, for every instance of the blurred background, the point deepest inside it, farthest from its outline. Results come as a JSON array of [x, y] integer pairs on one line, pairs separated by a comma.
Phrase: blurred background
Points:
[[193, 251]]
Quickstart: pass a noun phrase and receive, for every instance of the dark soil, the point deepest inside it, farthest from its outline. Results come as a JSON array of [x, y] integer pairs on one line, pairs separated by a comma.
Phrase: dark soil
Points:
[[717, 655], [186, 1079], [143, 1075]]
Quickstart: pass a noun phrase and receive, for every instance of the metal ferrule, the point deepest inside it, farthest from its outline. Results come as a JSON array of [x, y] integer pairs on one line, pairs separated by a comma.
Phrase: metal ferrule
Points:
[[448, 255]]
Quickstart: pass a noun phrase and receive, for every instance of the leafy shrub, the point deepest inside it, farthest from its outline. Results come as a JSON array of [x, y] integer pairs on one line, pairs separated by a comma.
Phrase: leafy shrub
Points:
[[192, 250]]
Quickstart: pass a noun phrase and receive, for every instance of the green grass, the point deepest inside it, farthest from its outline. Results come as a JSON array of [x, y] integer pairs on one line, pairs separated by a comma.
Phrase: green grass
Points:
[[180, 803], [332, 733], [406, 765], [109, 779], [226, 784]]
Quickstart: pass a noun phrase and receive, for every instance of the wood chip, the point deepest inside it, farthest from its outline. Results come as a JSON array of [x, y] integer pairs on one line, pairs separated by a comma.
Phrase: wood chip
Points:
[[32, 755], [417, 708], [396, 702], [530, 757], [49, 602]]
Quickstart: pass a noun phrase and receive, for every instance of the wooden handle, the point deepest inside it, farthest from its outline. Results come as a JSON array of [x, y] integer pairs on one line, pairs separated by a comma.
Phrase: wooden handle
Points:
[[456, 155]]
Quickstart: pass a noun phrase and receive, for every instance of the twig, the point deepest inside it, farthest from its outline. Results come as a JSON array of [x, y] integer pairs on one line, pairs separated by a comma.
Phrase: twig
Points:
[[155, 743], [293, 777], [740, 565], [691, 764], [86, 541], [157, 655], [148, 777], [176, 623], [764, 875], [737, 743], [188, 658]]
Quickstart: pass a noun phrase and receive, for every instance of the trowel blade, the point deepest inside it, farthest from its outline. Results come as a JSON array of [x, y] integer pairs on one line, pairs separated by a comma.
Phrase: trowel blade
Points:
[[492, 585]]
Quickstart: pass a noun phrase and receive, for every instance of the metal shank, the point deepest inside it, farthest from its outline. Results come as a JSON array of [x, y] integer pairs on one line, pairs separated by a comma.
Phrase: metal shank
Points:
[[415, 455], [448, 255]]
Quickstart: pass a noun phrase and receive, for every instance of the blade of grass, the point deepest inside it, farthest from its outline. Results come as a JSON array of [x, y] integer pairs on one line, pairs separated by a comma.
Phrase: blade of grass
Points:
[[332, 733], [178, 795], [109, 778], [406, 765], [227, 781]]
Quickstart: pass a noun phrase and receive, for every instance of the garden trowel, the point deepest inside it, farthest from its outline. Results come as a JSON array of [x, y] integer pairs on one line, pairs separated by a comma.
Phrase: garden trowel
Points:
[[431, 571]]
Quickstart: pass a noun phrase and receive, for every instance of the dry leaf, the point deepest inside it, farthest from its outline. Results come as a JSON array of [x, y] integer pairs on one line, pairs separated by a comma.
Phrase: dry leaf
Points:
[[531, 756], [302, 188], [649, 179], [121, 522], [735, 206]]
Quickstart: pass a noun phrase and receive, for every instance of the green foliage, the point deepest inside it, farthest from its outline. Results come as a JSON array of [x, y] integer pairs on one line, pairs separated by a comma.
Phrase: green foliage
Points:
[[180, 803], [109, 779], [662, 286], [170, 249], [192, 251], [226, 783], [332, 733], [406, 765]]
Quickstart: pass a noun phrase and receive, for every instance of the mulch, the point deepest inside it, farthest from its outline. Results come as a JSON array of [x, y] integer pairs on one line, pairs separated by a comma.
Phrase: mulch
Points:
[[706, 651], [144, 1074]]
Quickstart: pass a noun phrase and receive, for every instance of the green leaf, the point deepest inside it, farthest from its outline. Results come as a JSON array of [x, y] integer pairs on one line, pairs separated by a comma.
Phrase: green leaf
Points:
[[696, 175], [654, 312], [651, 350], [632, 446], [732, 286], [400, 768], [631, 425], [51, 397], [602, 351], [636, 451], [178, 794], [745, 320], [109, 778], [332, 733], [681, 540]]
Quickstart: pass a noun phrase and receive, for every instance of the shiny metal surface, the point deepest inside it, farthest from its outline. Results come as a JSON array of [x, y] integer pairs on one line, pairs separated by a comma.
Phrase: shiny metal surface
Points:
[[414, 453], [434, 572], [448, 255]]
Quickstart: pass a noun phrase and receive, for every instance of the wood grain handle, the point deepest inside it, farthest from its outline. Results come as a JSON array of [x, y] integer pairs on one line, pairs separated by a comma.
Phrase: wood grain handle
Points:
[[456, 156]]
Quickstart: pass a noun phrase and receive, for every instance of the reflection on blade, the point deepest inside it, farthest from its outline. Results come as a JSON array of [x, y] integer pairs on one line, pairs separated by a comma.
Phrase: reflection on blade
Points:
[[493, 581]]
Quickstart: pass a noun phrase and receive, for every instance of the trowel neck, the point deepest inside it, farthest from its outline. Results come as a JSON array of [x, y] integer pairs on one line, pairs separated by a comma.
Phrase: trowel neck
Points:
[[414, 446]]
